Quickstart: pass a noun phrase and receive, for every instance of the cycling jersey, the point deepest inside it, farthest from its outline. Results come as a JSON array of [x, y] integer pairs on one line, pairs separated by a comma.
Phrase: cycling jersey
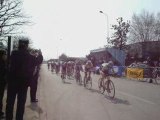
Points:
[[88, 67], [78, 67], [106, 67]]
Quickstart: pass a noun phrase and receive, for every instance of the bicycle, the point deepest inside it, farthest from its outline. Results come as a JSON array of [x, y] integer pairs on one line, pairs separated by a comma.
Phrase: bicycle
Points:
[[57, 70], [69, 74], [87, 82], [105, 86], [78, 78], [63, 77]]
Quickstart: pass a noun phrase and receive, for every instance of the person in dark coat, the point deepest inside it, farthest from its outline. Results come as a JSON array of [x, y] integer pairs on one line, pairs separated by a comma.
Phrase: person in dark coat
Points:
[[18, 82], [150, 64], [3, 72], [34, 81]]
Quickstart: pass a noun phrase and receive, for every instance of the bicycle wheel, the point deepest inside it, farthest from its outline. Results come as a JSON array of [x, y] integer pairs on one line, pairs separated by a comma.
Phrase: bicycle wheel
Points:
[[77, 79], [63, 78], [80, 79], [68, 75], [110, 89], [89, 83], [84, 81], [101, 86], [57, 71]]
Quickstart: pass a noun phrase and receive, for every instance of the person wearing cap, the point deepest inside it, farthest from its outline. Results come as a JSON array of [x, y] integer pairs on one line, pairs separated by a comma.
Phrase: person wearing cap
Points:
[[34, 80], [3, 71], [19, 78], [87, 69], [150, 64]]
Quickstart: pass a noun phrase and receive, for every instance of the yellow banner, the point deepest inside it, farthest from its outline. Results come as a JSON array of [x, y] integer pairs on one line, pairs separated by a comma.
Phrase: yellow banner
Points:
[[134, 73]]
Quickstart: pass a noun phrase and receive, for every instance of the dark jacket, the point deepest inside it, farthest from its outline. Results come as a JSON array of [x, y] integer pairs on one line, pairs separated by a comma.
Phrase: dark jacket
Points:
[[21, 66], [39, 59], [3, 70]]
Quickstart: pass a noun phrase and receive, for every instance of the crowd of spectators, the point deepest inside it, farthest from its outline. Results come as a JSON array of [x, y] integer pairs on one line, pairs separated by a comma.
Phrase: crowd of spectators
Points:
[[21, 72]]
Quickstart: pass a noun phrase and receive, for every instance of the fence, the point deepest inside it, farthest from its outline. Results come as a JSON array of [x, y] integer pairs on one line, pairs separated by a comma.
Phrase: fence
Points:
[[136, 72]]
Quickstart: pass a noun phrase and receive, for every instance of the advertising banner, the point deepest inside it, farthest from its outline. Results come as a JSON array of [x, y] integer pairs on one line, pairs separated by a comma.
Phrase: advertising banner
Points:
[[134, 73]]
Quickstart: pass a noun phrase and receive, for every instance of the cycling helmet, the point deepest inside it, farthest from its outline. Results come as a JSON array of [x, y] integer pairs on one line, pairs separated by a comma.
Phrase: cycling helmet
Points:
[[89, 62]]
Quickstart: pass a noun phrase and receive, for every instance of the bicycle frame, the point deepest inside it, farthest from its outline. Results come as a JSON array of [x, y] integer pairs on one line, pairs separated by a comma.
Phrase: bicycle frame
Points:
[[105, 84]]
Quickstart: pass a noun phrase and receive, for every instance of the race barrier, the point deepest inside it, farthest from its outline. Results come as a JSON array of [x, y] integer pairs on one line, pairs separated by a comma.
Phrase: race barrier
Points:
[[135, 73]]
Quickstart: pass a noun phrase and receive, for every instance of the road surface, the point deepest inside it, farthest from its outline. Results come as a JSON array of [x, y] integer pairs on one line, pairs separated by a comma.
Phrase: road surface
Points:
[[134, 100]]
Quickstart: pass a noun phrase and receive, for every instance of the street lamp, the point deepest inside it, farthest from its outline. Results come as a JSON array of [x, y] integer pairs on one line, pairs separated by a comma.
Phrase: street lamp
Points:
[[107, 24]]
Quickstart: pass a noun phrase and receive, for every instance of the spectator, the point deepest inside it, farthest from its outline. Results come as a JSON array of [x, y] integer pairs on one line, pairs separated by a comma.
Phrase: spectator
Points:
[[150, 63], [34, 81], [18, 82], [3, 71], [158, 62]]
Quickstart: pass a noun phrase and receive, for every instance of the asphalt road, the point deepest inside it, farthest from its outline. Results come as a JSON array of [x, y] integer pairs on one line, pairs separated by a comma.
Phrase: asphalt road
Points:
[[134, 100]]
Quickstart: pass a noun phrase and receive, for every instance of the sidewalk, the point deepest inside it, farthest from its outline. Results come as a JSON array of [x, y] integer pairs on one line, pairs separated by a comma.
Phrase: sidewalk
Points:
[[32, 110]]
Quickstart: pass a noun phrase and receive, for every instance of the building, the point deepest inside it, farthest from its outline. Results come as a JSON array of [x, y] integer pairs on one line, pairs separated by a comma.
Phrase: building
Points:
[[142, 50], [106, 54]]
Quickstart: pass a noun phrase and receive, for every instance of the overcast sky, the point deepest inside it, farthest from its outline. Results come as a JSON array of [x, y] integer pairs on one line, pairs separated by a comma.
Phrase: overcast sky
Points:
[[75, 27]]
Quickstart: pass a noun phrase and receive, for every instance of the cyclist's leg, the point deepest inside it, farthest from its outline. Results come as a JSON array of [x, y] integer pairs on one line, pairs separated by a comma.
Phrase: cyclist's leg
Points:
[[85, 74], [89, 72], [88, 75], [65, 73], [76, 75], [62, 74], [103, 76], [85, 78], [108, 82], [101, 82]]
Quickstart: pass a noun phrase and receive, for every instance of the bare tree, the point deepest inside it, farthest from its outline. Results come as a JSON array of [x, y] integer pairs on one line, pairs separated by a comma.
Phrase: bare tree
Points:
[[157, 27], [11, 17], [144, 27]]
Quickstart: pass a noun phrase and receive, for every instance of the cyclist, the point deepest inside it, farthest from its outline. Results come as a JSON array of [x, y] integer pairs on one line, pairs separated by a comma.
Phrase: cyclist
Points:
[[69, 68], [106, 68], [57, 67], [72, 66], [78, 68], [48, 64], [52, 66], [88, 66], [64, 69]]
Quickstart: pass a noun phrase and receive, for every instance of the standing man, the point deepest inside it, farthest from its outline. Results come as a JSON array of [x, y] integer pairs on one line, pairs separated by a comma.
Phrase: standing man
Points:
[[150, 63], [18, 82], [34, 81], [3, 71]]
